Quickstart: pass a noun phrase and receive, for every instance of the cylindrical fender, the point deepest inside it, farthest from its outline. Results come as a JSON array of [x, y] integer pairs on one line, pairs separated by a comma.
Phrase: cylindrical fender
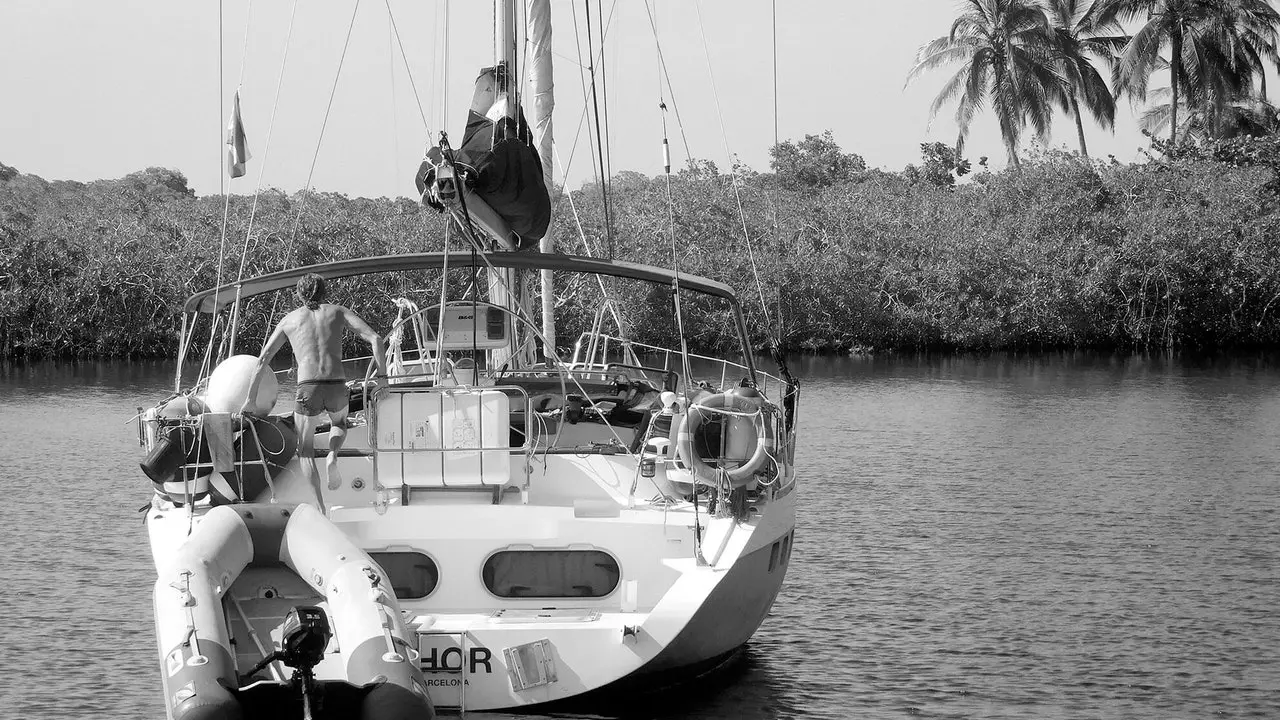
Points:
[[196, 662], [367, 622], [726, 403]]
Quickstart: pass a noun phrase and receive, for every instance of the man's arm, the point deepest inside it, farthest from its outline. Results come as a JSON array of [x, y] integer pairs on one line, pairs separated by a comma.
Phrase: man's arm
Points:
[[274, 343], [361, 328]]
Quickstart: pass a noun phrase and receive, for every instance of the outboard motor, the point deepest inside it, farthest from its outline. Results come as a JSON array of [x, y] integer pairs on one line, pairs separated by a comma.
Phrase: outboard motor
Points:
[[304, 637]]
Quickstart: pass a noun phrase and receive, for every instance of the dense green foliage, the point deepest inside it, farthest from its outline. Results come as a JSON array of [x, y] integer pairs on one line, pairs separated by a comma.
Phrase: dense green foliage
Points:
[[102, 268], [1182, 251]]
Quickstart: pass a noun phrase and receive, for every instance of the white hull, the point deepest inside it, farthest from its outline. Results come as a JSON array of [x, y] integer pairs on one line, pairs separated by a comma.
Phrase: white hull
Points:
[[668, 613]]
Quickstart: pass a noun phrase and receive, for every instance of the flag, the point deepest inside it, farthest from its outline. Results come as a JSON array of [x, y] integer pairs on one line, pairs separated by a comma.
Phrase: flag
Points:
[[237, 147]]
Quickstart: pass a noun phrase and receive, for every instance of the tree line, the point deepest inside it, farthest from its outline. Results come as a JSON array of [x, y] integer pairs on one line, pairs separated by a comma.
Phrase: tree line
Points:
[[1182, 251]]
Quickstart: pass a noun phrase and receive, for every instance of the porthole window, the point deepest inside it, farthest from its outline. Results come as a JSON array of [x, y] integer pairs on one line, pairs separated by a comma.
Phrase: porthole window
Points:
[[550, 573], [413, 575]]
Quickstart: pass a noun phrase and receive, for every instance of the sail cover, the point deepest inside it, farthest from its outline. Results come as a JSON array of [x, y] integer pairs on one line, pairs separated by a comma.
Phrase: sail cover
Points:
[[501, 165]]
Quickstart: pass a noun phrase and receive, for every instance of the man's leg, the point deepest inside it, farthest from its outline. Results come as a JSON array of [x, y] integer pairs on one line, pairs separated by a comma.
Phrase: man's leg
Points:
[[337, 435], [306, 426]]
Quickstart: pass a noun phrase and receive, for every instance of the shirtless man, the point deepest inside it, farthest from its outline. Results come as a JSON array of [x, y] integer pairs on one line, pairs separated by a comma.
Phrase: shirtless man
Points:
[[314, 331]]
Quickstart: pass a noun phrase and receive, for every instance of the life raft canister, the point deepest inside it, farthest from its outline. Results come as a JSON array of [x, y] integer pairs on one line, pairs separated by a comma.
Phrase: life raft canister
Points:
[[748, 435]]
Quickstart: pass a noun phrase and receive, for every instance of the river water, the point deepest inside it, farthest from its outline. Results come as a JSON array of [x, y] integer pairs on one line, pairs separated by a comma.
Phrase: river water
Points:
[[1061, 536]]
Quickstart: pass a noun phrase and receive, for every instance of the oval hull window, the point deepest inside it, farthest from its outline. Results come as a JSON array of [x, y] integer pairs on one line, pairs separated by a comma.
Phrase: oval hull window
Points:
[[550, 573], [413, 575]]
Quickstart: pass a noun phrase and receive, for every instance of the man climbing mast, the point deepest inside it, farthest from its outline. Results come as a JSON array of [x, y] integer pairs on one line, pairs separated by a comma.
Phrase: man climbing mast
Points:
[[314, 331]]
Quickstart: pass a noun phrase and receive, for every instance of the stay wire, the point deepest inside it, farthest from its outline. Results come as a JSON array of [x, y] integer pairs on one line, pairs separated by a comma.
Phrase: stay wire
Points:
[[604, 177], [408, 70], [582, 79], [586, 107], [733, 175], [607, 150], [675, 107], [266, 149], [257, 192], [226, 205], [675, 268], [604, 292], [209, 354], [306, 187], [777, 230]]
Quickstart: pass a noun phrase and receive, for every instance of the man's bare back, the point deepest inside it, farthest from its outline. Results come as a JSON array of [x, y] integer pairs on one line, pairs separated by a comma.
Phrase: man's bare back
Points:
[[316, 339]]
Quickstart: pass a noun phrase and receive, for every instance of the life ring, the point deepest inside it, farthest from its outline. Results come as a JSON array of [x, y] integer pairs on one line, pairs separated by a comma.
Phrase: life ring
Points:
[[726, 403]]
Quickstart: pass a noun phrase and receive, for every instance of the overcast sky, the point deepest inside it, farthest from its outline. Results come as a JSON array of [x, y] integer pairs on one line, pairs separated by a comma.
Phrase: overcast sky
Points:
[[95, 89]]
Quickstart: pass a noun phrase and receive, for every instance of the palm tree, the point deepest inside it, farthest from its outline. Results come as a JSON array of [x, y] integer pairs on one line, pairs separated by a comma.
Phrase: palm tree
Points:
[[1007, 58], [1077, 35], [1247, 116], [1216, 50]]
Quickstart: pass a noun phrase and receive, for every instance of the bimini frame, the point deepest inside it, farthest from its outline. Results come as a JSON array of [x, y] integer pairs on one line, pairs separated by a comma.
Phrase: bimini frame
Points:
[[215, 300]]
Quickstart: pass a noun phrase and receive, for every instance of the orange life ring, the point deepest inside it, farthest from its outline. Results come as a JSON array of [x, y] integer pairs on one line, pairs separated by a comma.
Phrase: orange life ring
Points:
[[726, 403]]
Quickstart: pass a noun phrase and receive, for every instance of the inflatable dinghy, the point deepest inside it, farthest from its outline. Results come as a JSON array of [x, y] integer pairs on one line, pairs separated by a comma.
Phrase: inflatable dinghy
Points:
[[265, 608]]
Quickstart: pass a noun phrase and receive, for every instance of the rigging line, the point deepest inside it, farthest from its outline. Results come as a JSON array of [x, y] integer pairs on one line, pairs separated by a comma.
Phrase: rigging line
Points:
[[573, 149], [607, 150], [444, 296], [226, 199], [675, 267], [775, 72], [222, 181], [440, 84], [408, 70], [266, 149], [733, 175], [777, 230], [577, 135], [244, 52], [226, 208], [675, 107], [578, 221], [444, 71], [257, 192], [582, 79], [604, 178], [306, 188], [437, 42], [333, 91], [513, 73], [526, 62]]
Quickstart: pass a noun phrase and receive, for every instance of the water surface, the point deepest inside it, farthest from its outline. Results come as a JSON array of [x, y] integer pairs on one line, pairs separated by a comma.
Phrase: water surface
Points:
[[1064, 536]]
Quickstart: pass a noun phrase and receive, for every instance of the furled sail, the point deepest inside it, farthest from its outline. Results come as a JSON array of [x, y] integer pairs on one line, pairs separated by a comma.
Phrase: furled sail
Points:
[[496, 162]]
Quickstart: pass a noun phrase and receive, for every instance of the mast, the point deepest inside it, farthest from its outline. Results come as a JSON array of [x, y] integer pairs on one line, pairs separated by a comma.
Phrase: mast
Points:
[[543, 104], [501, 280], [507, 39]]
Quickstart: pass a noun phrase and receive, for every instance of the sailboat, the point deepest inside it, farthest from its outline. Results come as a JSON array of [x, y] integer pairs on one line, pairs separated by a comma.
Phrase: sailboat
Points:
[[507, 526]]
